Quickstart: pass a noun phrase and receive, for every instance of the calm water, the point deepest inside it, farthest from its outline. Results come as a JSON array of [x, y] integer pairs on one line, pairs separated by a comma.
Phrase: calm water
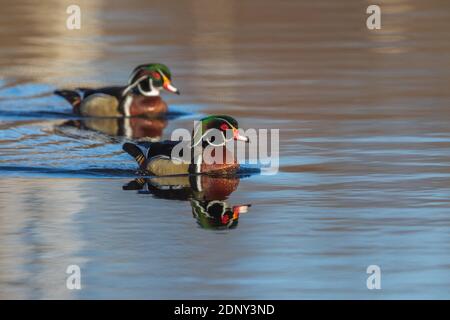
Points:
[[364, 151]]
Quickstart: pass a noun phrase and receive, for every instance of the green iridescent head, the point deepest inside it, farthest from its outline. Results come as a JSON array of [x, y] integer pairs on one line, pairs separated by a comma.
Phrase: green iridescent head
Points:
[[149, 79], [223, 124]]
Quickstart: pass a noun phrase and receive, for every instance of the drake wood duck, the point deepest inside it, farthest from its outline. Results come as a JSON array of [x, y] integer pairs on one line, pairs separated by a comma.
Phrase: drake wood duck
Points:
[[157, 159], [141, 97], [207, 196]]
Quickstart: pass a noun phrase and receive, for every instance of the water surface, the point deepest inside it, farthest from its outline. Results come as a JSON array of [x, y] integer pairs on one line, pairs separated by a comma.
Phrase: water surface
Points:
[[364, 151]]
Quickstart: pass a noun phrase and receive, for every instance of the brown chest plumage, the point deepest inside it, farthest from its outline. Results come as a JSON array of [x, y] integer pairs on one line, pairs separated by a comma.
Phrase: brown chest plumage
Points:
[[147, 106]]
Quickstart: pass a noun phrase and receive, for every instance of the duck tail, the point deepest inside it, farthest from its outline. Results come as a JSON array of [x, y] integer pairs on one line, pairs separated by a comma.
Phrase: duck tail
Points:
[[135, 152], [72, 96]]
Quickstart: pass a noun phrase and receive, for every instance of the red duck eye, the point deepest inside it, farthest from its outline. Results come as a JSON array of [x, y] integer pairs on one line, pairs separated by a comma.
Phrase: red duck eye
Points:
[[156, 75], [225, 219], [224, 127]]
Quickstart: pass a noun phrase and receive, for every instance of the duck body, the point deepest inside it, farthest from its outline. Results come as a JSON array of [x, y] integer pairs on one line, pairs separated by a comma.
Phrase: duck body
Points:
[[208, 142], [109, 102], [157, 160], [141, 97]]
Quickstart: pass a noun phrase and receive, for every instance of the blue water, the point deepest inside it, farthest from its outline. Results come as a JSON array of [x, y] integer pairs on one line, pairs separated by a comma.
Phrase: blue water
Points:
[[364, 175]]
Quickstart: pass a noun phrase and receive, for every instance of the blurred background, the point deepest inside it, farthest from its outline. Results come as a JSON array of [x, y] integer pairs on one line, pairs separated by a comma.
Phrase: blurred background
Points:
[[364, 150]]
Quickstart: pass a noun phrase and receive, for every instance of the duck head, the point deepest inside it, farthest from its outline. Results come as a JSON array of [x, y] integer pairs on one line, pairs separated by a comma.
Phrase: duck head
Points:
[[149, 79], [215, 130]]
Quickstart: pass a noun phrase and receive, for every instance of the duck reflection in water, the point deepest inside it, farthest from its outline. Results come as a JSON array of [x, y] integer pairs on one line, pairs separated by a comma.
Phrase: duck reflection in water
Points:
[[132, 128], [206, 194]]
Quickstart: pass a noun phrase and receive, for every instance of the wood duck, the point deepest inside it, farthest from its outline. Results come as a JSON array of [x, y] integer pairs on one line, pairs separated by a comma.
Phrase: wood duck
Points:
[[140, 97], [158, 157], [206, 194]]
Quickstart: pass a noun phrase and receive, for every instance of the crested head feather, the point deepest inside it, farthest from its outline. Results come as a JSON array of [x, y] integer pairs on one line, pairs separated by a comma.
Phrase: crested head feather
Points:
[[148, 79], [158, 67], [211, 122], [228, 119]]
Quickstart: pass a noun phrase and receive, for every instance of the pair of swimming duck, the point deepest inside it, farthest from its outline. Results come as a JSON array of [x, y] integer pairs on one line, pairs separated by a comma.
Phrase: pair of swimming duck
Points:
[[141, 98]]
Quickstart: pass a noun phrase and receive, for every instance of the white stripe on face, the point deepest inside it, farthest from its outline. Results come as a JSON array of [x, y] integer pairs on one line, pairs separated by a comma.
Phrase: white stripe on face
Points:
[[127, 105], [154, 92]]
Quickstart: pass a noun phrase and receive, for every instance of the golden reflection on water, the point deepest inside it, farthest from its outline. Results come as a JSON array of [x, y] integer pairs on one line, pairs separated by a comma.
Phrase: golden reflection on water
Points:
[[388, 40], [39, 46], [213, 45]]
